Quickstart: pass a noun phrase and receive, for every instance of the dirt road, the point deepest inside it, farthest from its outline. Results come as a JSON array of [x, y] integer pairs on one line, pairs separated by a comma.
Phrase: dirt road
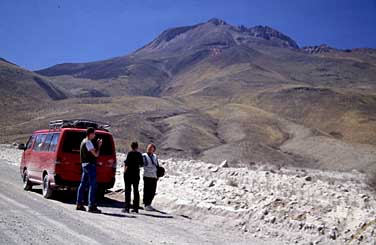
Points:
[[28, 218]]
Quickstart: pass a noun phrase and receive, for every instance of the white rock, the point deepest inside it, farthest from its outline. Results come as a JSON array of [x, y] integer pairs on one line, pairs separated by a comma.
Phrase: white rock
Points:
[[273, 219], [224, 164], [211, 183]]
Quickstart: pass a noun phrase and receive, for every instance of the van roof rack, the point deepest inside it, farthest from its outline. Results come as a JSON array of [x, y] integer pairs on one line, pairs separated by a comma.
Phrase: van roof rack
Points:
[[79, 123]]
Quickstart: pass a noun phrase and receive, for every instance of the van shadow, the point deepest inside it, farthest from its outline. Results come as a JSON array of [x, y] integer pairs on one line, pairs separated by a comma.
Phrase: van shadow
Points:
[[38, 191], [69, 197]]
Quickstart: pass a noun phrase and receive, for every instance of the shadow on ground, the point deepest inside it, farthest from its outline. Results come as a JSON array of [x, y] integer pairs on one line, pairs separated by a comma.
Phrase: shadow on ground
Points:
[[69, 197]]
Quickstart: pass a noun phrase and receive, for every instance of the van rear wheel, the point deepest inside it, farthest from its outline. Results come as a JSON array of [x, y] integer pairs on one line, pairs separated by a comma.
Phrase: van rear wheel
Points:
[[27, 186], [47, 191]]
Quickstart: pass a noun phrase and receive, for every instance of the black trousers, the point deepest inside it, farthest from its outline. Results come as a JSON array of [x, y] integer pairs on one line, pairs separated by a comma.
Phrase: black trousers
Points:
[[129, 182], [150, 186]]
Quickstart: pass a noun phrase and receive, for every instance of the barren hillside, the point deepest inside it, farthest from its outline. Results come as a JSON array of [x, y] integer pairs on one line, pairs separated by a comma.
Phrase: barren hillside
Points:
[[215, 91]]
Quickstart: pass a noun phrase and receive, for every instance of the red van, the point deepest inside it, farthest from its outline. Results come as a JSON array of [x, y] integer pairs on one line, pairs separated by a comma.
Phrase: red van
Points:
[[51, 156]]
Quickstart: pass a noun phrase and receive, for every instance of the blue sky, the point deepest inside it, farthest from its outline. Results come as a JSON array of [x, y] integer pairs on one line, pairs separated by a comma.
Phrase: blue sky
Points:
[[40, 33]]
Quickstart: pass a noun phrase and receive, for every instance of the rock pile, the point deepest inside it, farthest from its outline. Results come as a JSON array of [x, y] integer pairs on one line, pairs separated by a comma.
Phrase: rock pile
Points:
[[290, 205]]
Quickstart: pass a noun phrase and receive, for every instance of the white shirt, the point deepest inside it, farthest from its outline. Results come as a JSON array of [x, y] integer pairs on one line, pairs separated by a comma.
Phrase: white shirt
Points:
[[89, 146], [150, 167]]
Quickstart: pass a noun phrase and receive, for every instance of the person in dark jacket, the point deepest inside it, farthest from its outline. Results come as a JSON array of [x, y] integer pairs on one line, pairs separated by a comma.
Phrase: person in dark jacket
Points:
[[132, 165]]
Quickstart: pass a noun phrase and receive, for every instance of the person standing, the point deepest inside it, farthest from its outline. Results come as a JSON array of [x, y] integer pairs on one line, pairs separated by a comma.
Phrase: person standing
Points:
[[132, 165], [150, 176], [88, 155]]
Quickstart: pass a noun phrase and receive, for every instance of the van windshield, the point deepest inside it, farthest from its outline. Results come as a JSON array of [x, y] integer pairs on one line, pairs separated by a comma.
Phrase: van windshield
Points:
[[72, 141]]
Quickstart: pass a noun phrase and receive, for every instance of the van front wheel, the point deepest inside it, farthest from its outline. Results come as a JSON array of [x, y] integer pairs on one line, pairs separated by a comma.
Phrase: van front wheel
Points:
[[27, 186], [46, 189]]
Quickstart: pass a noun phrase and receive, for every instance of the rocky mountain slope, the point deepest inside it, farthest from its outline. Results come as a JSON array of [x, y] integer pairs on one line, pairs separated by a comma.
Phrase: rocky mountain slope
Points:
[[23, 95], [18, 84]]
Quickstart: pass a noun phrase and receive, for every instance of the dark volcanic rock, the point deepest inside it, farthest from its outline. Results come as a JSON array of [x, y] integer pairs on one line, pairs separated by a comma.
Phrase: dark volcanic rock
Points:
[[269, 33], [323, 48]]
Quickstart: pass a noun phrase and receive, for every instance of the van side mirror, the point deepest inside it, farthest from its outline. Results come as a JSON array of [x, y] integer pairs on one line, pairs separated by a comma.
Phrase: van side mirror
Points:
[[21, 147]]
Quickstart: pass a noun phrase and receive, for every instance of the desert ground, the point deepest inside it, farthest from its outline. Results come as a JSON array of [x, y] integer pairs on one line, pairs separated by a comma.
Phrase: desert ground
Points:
[[203, 203]]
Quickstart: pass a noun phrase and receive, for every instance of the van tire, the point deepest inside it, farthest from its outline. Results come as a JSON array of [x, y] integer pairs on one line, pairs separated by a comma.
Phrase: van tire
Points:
[[47, 191], [27, 186]]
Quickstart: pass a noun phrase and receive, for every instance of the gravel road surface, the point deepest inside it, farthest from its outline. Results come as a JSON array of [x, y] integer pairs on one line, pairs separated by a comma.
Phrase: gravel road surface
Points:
[[28, 218]]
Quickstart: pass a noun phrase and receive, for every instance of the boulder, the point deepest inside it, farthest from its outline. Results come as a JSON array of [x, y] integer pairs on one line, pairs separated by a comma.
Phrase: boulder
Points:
[[308, 178], [211, 183], [224, 164]]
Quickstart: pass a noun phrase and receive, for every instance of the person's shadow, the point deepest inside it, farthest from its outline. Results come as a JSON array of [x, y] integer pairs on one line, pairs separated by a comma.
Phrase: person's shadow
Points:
[[69, 197], [158, 214], [118, 215]]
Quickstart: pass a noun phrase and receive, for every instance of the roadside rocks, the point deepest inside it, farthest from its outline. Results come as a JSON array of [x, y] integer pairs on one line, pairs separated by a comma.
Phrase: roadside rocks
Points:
[[321, 229], [308, 178], [214, 169], [211, 183], [272, 220], [10, 154], [299, 204], [224, 164], [333, 233]]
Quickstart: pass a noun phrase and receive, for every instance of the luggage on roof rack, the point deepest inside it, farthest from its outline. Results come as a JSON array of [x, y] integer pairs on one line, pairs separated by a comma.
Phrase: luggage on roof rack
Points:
[[79, 123]]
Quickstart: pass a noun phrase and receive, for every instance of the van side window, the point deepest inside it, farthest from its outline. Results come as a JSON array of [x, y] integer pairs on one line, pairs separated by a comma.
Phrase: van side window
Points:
[[30, 142], [39, 142], [46, 143], [54, 140]]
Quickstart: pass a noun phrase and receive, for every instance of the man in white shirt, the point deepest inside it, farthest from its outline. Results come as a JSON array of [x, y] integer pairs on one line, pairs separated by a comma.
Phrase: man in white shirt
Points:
[[88, 155]]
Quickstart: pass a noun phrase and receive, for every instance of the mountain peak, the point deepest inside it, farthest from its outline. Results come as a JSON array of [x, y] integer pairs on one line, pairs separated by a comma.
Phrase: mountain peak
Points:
[[217, 21], [268, 33]]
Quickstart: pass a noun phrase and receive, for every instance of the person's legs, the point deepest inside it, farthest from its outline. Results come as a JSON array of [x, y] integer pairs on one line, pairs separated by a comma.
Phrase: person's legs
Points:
[[149, 192], [82, 186], [146, 191], [136, 195], [153, 189], [92, 172], [127, 192]]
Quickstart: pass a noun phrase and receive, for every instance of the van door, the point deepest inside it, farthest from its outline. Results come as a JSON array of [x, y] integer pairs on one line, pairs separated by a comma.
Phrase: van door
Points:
[[47, 159], [26, 154], [107, 159], [70, 168], [35, 173]]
